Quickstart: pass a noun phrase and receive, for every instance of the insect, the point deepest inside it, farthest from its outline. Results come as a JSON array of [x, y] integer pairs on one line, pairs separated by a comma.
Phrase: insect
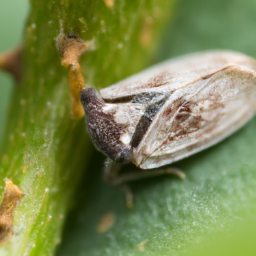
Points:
[[170, 111]]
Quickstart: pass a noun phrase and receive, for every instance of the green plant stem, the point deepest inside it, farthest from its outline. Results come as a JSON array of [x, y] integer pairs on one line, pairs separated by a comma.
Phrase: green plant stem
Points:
[[45, 152]]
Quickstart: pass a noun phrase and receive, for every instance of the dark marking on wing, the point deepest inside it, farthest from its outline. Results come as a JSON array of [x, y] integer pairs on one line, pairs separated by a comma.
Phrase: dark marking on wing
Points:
[[142, 98], [145, 97], [124, 99], [187, 122], [145, 122], [161, 79], [173, 107]]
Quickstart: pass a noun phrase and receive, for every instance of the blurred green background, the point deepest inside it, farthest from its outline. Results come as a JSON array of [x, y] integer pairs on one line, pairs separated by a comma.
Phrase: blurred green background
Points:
[[196, 25], [12, 20]]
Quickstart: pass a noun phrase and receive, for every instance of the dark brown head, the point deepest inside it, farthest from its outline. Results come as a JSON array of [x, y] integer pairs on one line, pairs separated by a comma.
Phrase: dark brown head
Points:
[[90, 95], [104, 131]]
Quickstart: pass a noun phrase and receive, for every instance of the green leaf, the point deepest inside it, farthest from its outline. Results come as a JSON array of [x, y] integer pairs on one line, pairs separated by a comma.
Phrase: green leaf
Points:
[[219, 190]]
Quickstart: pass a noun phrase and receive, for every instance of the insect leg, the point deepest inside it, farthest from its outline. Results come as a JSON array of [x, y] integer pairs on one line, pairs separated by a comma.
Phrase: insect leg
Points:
[[111, 175], [176, 172], [128, 194], [111, 170], [142, 174]]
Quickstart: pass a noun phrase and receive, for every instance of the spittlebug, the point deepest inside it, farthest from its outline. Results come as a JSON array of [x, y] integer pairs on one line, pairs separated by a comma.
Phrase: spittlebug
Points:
[[170, 111]]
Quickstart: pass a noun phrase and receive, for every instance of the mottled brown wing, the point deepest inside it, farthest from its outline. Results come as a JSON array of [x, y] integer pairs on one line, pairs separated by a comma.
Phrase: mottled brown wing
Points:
[[198, 116], [175, 74]]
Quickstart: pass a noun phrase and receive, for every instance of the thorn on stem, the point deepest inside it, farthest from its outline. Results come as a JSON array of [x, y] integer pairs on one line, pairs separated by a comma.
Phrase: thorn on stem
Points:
[[11, 62], [71, 47], [11, 197]]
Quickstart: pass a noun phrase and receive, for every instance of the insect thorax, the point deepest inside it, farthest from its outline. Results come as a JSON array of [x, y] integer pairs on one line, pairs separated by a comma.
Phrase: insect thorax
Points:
[[118, 128]]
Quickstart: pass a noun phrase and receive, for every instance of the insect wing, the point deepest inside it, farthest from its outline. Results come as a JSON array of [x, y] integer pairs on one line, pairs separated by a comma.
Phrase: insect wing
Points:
[[174, 74], [198, 116]]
